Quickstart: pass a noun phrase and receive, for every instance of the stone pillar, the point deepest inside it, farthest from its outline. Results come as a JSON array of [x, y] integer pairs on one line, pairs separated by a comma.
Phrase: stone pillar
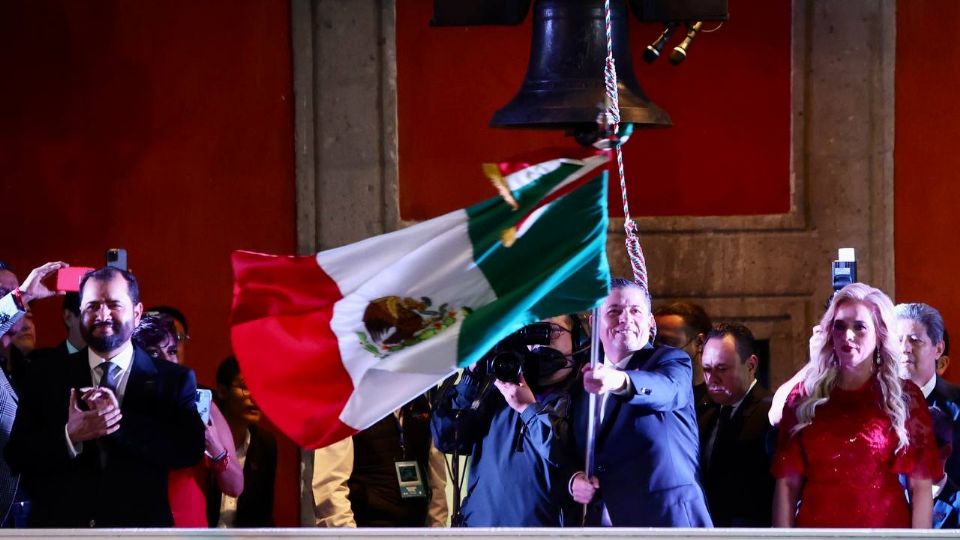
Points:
[[345, 88], [345, 91]]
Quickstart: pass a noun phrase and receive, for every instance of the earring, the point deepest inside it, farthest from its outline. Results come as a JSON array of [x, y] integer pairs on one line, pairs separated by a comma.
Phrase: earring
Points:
[[876, 359]]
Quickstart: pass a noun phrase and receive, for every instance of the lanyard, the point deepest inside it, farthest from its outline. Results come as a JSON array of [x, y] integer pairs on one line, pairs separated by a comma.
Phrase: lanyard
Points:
[[398, 418]]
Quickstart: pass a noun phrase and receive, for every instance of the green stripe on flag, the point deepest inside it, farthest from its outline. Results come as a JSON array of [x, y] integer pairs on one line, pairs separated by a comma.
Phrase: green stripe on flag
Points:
[[558, 266]]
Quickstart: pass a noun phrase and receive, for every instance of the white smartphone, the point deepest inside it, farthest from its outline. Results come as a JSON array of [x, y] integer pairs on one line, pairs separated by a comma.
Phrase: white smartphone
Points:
[[204, 397]]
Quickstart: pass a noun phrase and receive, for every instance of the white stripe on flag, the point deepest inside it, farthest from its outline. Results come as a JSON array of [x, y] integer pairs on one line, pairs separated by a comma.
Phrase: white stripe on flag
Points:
[[434, 259]]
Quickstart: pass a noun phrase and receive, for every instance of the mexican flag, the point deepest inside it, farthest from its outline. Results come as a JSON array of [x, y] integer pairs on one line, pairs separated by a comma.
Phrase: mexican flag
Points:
[[330, 344]]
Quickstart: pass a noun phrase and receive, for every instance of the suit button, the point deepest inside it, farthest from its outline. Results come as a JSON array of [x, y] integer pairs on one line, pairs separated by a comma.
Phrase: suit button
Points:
[[600, 469]]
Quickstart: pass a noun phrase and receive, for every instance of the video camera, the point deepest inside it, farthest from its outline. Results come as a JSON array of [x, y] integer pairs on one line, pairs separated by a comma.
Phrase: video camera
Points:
[[511, 357]]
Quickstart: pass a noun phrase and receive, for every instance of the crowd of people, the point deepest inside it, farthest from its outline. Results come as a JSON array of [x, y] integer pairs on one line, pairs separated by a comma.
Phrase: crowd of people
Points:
[[685, 435], [677, 428], [104, 429]]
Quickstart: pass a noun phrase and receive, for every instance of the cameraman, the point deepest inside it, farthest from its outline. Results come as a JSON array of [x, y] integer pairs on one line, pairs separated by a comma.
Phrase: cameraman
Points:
[[517, 436]]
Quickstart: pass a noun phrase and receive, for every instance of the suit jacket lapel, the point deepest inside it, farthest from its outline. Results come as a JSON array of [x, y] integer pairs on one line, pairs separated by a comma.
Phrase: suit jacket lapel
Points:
[[736, 422], [610, 407], [638, 360], [941, 511], [142, 378], [78, 366], [708, 421]]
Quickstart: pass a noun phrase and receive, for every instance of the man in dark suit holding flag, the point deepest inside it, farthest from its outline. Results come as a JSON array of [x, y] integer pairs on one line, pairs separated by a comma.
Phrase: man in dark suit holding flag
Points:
[[96, 437], [646, 455]]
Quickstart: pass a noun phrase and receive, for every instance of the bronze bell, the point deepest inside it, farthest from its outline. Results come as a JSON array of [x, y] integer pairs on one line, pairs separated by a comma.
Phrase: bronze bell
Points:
[[564, 85]]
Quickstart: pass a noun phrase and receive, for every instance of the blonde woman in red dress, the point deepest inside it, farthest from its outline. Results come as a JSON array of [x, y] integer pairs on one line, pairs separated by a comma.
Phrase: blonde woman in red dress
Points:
[[852, 426]]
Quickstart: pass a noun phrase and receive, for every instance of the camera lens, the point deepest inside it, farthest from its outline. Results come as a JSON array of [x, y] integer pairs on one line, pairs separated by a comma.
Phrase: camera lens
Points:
[[506, 366]]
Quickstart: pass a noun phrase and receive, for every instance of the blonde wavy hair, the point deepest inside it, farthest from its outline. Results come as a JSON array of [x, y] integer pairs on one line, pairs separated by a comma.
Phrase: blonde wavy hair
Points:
[[821, 371]]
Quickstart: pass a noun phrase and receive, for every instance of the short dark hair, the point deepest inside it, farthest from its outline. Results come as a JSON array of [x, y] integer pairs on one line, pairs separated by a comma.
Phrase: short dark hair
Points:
[[942, 426], [108, 273], [694, 316], [924, 314], [172, 312], [742, 338], [227, 371], [153, 329], [5, 266], [71, 302], [624, 283]]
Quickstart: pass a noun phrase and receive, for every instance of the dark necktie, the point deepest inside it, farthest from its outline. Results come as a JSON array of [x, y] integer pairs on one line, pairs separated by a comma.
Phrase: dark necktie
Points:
[[723, 429], [723, 424], [108, 379], [108, 376]]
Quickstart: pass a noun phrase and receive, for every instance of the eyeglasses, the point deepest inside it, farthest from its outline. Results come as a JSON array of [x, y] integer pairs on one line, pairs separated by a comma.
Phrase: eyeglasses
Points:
[[556, 331]]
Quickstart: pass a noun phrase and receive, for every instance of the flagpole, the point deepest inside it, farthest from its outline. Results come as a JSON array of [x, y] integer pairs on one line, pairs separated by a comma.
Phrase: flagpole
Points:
[[593, 409]]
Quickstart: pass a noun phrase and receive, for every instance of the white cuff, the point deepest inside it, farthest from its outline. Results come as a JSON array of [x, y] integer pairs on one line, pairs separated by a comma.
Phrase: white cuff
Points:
[[626, 389], [74, 451], [572, 478]]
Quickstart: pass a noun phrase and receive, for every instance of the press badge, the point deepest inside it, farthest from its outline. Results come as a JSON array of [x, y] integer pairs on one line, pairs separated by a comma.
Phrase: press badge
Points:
[[411, 483]]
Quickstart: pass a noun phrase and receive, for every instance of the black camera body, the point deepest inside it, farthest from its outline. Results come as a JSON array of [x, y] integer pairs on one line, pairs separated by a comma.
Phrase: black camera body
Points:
[[511, 357], [117, 258], [844, 270]]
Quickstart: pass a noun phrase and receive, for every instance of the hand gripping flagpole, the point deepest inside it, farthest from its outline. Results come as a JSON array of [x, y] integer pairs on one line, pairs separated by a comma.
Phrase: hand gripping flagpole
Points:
[[609, 121], [593, 405]]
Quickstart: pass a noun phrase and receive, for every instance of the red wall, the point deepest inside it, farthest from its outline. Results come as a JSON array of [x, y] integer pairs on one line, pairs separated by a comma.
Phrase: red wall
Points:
[[727, 154], [926, 160], [161, 126]]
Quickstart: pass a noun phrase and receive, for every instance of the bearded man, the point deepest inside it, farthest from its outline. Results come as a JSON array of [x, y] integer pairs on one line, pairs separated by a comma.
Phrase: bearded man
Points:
[[96, 437]]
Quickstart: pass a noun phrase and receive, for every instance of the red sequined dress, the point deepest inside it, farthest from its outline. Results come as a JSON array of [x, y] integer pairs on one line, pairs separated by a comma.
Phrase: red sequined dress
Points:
[[848, 458]]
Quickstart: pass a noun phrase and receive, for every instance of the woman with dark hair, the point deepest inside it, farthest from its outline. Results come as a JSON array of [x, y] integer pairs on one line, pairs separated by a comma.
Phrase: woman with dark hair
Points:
[[157, 336], [851, 426]]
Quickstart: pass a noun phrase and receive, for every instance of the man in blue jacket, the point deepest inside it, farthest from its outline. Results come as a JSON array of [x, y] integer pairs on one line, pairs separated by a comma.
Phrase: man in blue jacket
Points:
[[646, 471], [517, 435]]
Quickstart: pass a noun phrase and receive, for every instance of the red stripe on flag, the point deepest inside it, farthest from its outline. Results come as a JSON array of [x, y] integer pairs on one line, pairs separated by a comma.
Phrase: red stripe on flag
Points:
[[518, 162], [287, 352]]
